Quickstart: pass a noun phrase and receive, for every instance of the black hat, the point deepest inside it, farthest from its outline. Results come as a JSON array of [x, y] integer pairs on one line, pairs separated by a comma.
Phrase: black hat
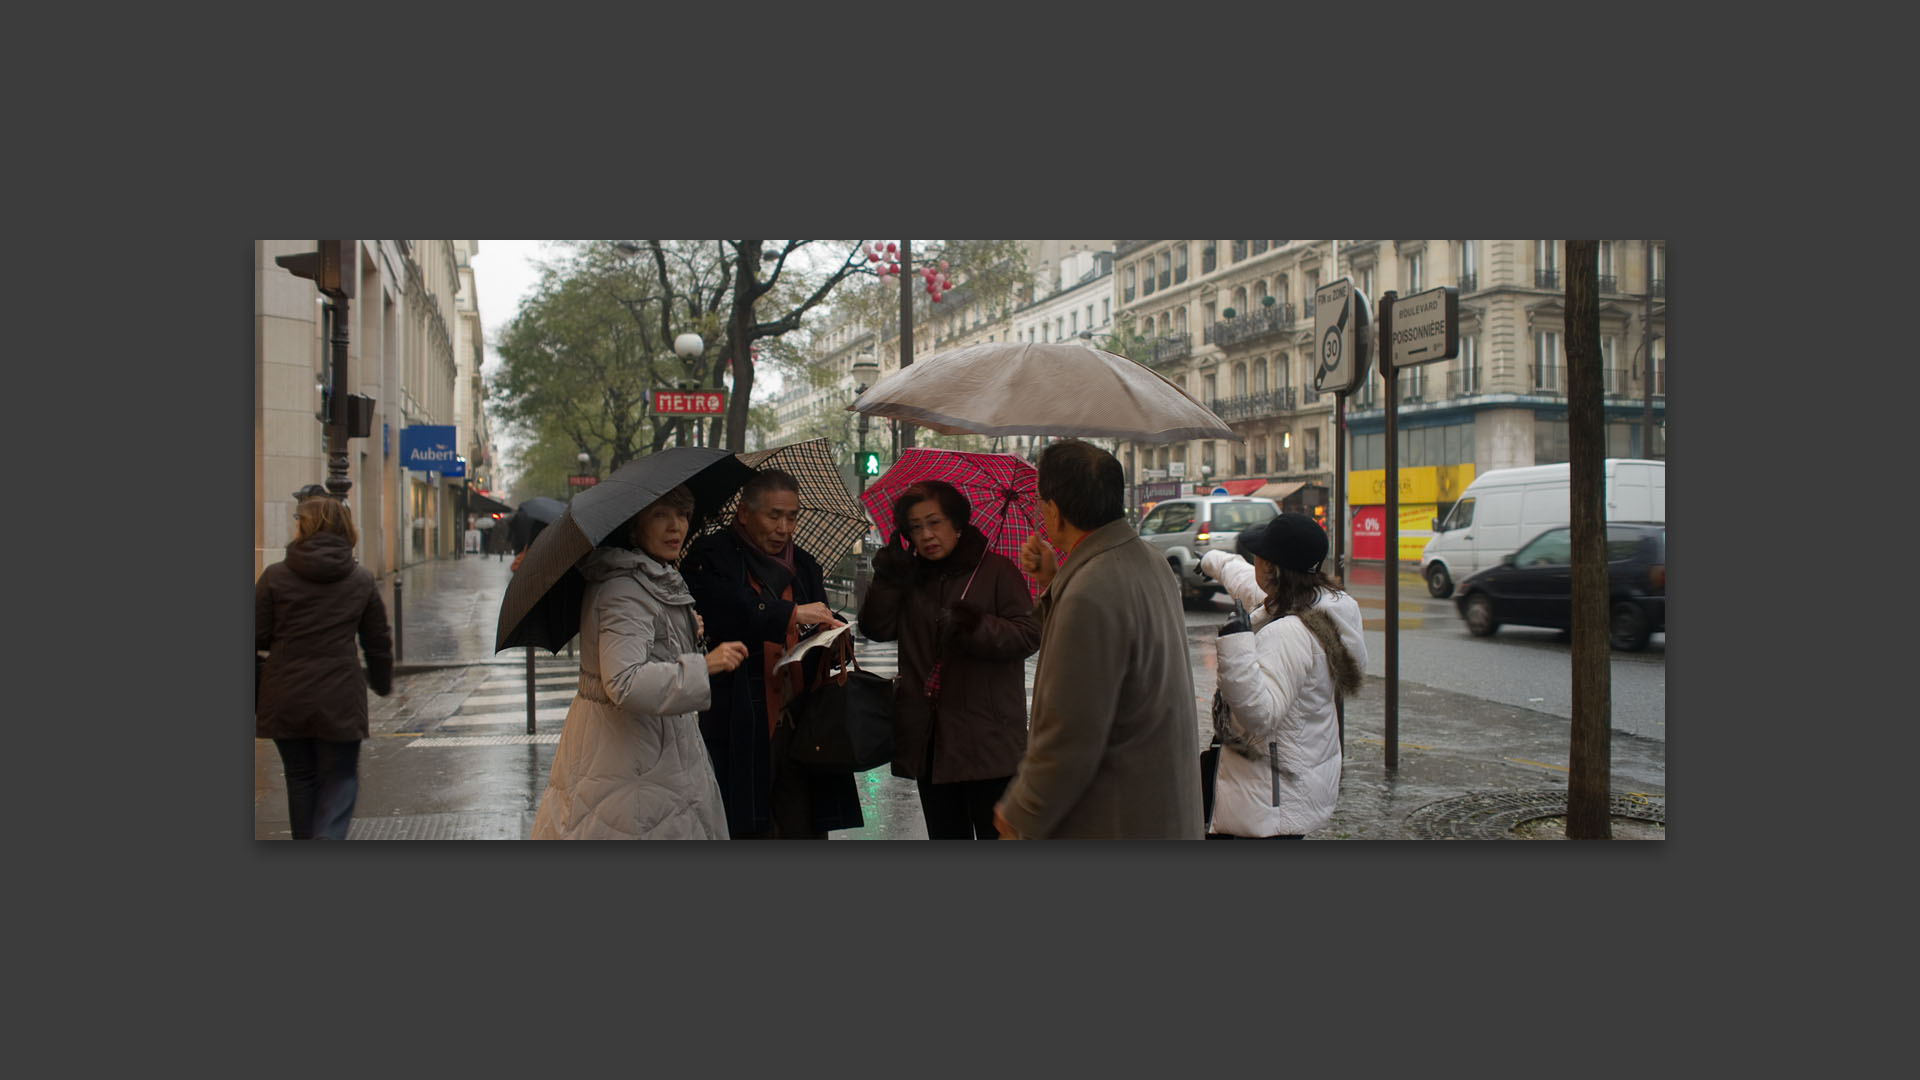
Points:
[[1289, 541]]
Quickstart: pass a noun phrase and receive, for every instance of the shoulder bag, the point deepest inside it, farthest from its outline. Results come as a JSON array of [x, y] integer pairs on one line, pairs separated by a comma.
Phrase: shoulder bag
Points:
[[844, 723]]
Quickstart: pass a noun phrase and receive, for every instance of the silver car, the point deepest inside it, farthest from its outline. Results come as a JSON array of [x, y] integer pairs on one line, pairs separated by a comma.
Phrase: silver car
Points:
[[1186, 528]]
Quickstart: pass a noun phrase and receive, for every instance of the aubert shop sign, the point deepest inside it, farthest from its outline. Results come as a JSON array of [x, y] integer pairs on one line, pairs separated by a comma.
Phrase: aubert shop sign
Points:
[[432, 449]]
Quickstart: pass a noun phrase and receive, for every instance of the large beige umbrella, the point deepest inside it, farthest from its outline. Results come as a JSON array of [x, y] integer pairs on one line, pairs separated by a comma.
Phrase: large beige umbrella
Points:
[[1024, 388]]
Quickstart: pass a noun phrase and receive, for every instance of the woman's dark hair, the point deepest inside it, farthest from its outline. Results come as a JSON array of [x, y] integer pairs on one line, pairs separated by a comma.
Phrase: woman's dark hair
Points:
[[1290, 592], [680, 498], [1084, 483], [952, 503]]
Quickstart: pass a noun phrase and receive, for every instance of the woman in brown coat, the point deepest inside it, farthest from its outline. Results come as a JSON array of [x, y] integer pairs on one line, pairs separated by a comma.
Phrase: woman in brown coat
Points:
[[965, 623], [312, 698]]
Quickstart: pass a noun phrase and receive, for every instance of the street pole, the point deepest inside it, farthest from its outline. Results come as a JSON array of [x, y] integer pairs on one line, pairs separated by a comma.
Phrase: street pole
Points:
[[1392, 575], [906, 334], [1646, 371]]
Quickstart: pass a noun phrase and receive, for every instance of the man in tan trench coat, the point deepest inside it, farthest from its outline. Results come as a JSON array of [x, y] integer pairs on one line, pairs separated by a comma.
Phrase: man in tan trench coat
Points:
[[1113, 744]]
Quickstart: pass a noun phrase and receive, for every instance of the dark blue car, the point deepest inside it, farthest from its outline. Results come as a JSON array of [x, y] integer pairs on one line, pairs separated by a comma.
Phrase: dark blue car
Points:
[[1534, 586]]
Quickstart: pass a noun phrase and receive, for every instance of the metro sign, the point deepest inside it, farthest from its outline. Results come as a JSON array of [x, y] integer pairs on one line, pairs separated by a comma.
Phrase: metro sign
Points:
[[690, 402]]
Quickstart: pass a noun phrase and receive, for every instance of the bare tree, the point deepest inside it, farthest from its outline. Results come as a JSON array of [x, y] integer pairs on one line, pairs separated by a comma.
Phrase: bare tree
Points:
[[1590, 755]]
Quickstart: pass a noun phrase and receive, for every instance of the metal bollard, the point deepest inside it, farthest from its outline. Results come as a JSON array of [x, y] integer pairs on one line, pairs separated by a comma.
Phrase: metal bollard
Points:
[[396, 619]]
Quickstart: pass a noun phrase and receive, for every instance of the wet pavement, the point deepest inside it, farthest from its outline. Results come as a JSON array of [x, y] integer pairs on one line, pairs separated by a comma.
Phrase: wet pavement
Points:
[[450, 755]]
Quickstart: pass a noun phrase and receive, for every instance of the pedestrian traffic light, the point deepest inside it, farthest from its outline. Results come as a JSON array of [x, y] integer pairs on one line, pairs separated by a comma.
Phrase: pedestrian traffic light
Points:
[[330, 268], [870, 463]]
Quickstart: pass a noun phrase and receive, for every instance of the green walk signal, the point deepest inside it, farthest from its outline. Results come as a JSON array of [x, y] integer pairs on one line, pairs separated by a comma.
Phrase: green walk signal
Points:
[[870, 463]]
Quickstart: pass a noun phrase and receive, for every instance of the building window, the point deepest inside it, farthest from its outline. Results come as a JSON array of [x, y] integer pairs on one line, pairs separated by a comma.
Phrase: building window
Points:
[[1106, 312], [1210, 387], [1310, 441], [1546, 264], [1613, 381], [1282, 372], [1208, 258], [1207, 456], [1469, 265], [1239, 250], [1260, 376], [1259, 247], [1209, 313], [1260, 454], [1127, 294], [1166, 269], [1549, 442], [1414, 280], [1659, 372], [1089, 316], [1180, 263], [1166, 324], [1240, 301], [1180, 319], [1075, 328], [1467, 367], [1546, 361], [1366, 282], [1609, 278], [1239, 380]]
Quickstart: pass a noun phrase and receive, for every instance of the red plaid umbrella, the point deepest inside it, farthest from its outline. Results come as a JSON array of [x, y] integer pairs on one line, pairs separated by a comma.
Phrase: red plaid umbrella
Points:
[[1002, 489]]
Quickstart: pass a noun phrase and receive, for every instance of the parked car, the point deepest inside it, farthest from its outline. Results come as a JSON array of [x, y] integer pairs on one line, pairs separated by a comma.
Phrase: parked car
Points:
[[1534, 586], [1188, 527]]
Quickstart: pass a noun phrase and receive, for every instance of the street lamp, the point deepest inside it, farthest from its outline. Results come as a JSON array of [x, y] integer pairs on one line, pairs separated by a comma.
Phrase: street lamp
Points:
[[687, 347]]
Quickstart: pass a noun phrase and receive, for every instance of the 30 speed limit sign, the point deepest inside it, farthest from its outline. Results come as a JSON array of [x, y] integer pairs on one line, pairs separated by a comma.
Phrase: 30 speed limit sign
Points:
[[1340, 324]]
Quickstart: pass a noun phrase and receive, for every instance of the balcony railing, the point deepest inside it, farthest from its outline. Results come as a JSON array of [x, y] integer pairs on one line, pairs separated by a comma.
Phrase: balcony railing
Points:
[[1279, 462], [1146, 285], [1254, 406], [1546, 279], [1166, 278], [1462, 383], [1259, 247], [1310, 396], [1557, 376], [1258, 323], [1179, 274], [1609, 283], [1208, 260], [1469, 282], [1310, 460], [1128, 295], [1175, 346], [1260, 464]]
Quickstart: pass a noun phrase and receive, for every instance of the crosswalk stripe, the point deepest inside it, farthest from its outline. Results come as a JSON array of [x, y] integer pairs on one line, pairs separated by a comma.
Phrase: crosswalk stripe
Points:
[[488, 740], [515, 716], [521, 697]]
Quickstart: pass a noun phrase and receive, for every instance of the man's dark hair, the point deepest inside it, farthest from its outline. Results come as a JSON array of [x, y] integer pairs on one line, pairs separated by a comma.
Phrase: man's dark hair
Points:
[[764, 481], [1084, 483]]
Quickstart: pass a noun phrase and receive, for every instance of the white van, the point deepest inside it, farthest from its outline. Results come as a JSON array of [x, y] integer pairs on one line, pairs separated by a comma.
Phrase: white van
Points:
[[1505, 508]]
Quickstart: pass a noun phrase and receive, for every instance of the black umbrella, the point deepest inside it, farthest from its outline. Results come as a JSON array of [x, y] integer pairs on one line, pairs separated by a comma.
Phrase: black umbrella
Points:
[[542, 605], [534, 514]]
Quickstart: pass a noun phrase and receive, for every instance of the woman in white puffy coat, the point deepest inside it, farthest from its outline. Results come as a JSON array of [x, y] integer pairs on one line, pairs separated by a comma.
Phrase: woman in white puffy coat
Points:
[[1279, 774], [631, 764]]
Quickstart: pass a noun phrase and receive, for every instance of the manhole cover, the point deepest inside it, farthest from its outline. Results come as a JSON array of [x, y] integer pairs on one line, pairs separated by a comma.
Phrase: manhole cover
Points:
[[1492, 815]]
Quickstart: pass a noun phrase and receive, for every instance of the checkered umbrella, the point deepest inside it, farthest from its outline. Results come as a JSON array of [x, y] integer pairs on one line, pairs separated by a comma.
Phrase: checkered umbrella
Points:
[[1002, 489], [831, 523]]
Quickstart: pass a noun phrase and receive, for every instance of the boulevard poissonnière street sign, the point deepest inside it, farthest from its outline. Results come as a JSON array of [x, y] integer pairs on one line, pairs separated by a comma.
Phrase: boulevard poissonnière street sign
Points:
[[689, 402], [1426, 327]]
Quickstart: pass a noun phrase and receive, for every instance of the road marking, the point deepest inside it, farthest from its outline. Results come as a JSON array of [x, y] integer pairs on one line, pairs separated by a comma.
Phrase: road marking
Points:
[[489, 740], [1383, 742], [1542, 764], [511, 716], [521, 697]]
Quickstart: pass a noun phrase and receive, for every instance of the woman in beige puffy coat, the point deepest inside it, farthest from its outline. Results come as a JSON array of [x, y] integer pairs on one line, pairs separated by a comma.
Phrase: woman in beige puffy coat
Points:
[[631, 764]]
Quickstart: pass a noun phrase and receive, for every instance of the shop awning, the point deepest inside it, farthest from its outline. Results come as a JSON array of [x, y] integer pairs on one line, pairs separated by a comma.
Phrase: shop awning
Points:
[[1277, 491], [481, 504], [1240, 487]]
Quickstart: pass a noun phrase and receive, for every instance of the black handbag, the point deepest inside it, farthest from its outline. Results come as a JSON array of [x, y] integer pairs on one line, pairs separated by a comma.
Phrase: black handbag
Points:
[[845, 721]]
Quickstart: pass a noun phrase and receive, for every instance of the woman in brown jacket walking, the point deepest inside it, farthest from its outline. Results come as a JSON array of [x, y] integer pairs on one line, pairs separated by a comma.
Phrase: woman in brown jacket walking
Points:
[[965, 623], [311, 699]]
